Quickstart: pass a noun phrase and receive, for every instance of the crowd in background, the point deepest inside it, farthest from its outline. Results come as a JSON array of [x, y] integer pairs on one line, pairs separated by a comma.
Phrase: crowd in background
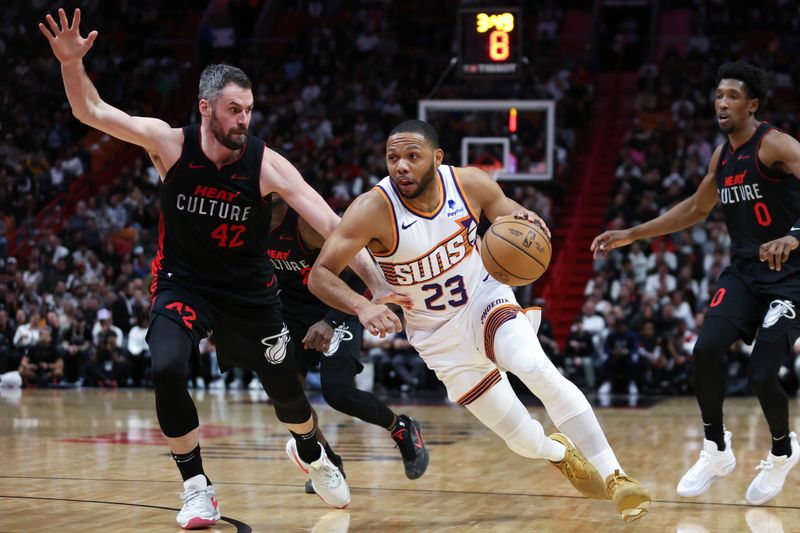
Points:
[[74, 304], [644, 306], [74, 296]]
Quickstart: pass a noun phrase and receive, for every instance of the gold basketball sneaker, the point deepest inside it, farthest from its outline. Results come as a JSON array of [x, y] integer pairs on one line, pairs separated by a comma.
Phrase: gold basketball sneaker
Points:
[[630, 498], [578, 470]]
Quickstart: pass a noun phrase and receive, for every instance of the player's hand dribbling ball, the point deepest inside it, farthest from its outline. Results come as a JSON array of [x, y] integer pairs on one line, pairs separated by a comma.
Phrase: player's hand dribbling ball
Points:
[[515, 251]]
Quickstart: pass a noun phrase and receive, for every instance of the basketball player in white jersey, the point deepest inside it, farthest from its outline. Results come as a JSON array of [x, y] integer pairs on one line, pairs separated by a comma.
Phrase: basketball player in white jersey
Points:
[[420, 224]]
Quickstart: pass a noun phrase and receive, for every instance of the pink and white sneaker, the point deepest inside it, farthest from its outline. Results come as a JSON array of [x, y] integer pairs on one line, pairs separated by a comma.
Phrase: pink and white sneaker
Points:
[[200, 506], [327, 480]]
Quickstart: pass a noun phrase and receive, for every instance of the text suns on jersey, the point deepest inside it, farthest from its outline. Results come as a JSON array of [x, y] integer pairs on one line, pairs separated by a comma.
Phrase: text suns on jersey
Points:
[[442, 257]]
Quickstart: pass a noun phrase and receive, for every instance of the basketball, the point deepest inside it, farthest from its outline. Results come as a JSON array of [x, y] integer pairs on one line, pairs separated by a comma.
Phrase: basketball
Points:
[[515, 252]]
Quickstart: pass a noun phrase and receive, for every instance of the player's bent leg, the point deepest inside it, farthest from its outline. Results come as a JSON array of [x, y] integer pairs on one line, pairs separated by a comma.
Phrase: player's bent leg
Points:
[[171, 348], [769, 352], [500, 410], [354, 402], [292, 408], [716, 458], [716, 335], [568, 408]]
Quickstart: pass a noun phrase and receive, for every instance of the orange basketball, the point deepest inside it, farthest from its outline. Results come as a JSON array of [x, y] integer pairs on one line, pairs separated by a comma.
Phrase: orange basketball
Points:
[[515, 252]]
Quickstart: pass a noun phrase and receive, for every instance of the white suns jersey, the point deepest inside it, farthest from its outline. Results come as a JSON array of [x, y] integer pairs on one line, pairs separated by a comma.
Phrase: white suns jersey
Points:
[[435, 259]]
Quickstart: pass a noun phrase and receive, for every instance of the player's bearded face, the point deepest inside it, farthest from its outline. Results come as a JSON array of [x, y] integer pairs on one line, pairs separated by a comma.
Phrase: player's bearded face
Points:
[[234, 138], [411, 163], [732, 105], [424, 182]]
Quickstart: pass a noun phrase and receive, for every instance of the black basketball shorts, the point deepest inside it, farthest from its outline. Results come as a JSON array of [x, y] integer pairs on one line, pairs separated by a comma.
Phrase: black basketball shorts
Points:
[[758, 306], [341, 362], [253, 338]]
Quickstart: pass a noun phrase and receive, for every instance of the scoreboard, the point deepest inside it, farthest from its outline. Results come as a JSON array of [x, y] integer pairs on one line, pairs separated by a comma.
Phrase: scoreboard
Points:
[[489, 42]]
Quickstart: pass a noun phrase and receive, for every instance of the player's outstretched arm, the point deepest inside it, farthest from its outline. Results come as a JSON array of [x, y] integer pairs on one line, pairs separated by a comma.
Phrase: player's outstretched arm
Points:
[[69, 48], [482, 190], [685, 214], [279, 175], [355, 231], [781, 151]]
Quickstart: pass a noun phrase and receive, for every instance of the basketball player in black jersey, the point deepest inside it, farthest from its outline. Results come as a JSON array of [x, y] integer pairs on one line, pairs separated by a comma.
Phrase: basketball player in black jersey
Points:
[[328, 337], [211, 272], [754, 176]]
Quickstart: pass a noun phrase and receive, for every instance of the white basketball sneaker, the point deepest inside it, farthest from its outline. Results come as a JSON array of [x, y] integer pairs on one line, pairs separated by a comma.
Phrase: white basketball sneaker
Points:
[[327, 480], [769, 481], [200, 506], [711, 465]]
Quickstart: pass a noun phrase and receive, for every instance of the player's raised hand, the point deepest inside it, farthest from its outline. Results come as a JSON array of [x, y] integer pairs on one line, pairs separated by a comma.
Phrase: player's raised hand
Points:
[[608, 240], [777, 252], [65, 40], [379, 320]]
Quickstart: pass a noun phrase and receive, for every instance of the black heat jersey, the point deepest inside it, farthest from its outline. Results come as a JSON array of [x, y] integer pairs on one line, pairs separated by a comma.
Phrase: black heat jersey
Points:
[[292, 262], [760, 203], [214, 226]]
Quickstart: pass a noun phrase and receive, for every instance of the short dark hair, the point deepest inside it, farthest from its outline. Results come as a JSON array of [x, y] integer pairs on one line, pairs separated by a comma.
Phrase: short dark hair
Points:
[[419, 127], [753, 78], [214, 78]]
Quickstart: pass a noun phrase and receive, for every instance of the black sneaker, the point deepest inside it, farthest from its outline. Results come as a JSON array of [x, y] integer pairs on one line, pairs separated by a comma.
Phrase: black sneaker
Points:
[[408, 437], [336, 460]]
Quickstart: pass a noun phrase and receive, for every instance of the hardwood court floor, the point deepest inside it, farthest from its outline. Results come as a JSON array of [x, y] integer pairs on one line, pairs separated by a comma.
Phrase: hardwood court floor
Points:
[[94, 460]]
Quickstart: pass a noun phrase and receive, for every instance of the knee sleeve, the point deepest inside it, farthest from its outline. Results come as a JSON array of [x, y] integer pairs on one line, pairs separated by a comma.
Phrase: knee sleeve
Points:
[[292, 410], [354, 402], [518, 350], [337, 395], [500, 410], [171, 348]]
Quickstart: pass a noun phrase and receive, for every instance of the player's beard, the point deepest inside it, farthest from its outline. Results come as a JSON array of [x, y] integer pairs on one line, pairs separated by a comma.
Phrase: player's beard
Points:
[[226, 140], [730, 128], [424, 183]]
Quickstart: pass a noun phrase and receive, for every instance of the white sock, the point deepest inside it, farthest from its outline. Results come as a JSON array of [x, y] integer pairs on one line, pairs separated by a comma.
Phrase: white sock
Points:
[[586, 433], [606, 462]]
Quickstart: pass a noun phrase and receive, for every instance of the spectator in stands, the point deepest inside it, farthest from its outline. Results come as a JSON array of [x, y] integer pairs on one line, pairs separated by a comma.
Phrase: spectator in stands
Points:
[[42, 365], [378, 350], [76, 347], [579, 356], [9, 360], [27, 333], [103, 326], [407, 365], [620, 367], [139, 351]]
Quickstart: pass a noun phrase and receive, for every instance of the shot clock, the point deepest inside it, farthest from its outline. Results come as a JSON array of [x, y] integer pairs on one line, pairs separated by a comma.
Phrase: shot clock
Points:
[[489, 42]]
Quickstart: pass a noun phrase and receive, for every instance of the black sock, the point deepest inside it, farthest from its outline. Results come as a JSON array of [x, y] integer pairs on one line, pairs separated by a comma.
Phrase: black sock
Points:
[[782, 446], [190, 464], [307, 446], [715, 433], [329, 451]]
